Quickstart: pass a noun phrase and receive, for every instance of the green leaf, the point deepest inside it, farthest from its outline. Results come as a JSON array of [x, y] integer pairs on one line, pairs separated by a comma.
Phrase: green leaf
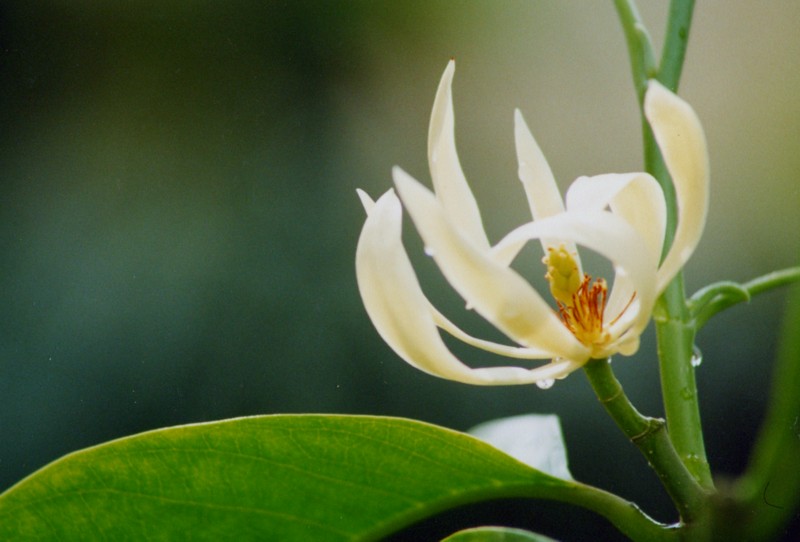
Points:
[[496, 534], [306, 477]]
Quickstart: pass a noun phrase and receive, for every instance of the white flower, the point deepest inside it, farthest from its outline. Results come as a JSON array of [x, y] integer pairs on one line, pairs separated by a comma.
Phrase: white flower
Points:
[[619, 216]]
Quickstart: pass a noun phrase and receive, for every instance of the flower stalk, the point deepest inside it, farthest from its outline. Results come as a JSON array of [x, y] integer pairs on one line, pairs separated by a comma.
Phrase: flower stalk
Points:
[[651, 437]]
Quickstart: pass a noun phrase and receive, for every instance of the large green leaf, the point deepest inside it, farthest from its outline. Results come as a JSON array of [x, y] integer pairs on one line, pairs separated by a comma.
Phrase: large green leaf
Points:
[[308, 477]]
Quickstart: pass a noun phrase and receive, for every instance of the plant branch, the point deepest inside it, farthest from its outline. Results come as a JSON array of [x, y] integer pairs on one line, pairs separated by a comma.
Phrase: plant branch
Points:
[[651, 437], [715, 298], [675, 43], [674, 326]]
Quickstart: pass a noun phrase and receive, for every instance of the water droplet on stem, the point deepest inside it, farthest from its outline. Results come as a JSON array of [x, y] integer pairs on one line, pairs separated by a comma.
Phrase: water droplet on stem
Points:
[[697, 356]]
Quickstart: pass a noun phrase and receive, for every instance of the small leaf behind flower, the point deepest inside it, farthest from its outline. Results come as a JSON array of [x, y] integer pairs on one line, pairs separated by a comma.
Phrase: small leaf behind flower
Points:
[[534, 439], [496, 534]]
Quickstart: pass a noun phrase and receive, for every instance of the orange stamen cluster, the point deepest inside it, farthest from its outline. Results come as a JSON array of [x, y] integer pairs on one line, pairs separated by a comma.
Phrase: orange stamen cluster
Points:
[[581, 303], [583, 316]]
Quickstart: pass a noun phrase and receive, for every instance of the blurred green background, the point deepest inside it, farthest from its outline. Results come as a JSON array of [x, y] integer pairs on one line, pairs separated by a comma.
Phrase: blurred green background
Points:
[[178, 216]]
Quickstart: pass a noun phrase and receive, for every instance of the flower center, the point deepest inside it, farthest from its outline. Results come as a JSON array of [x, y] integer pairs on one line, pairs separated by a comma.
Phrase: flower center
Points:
[[581, 303]]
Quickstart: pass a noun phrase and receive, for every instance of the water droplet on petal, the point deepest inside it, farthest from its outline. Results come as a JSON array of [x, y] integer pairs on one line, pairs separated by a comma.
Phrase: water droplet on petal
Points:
[[545, 384], [561, 376], [697, 356], [429, 251]]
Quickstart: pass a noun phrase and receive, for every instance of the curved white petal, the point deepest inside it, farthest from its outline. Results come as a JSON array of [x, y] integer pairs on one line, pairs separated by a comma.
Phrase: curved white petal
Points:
[[636, 197], [489, 346], [622, 291], [613, 238], [400, 311], [554, 370], [449, 181], [497, 292], [538, 181], [680, 137]]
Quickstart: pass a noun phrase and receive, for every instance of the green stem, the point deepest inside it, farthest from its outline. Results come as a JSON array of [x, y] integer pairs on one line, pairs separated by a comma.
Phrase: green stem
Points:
[[623, 514], [674, 326], [651, 437], [675, 336], [675, 43], [772, 280], [718, 297], [640, 48]]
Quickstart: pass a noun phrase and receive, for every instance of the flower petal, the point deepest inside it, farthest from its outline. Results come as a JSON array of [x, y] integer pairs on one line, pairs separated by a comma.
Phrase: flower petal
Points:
[[680, 137], [622, 291], [401, 312], [489, 346], [449, 181], [537, 179], [611, 237], [497, 292], [636, 197]]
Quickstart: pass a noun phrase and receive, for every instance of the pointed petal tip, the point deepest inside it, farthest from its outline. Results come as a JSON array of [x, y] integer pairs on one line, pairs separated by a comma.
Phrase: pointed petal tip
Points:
[[400, 176], [447, 75], [366, 201], [521, 129]]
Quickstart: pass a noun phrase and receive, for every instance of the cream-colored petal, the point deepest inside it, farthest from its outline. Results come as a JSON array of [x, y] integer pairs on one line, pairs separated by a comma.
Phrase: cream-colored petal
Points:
[[680, 137], [630, 306], [489, 346], [611, 237], [496, 292], [449, 182], [444, 323], [554, 370], [366, 201], [636, 197], [537, 179], [622, 291], [400, 311], [628, 345]]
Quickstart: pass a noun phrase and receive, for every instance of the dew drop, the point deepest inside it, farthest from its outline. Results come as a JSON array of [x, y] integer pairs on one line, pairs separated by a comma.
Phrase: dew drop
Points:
[[545, 384], [429, 251], [697, 356]]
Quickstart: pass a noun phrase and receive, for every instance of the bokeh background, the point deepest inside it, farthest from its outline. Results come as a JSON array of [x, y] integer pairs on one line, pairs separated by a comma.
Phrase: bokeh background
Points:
[[178, 216]]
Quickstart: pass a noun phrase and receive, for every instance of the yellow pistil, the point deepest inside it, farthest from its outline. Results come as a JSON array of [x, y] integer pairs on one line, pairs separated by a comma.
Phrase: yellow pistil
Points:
[[562, 274], [581, 303]]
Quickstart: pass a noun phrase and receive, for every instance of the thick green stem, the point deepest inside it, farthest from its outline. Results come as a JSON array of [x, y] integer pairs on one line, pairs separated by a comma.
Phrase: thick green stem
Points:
[[674, 326], [651, 437], [675, 337]]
